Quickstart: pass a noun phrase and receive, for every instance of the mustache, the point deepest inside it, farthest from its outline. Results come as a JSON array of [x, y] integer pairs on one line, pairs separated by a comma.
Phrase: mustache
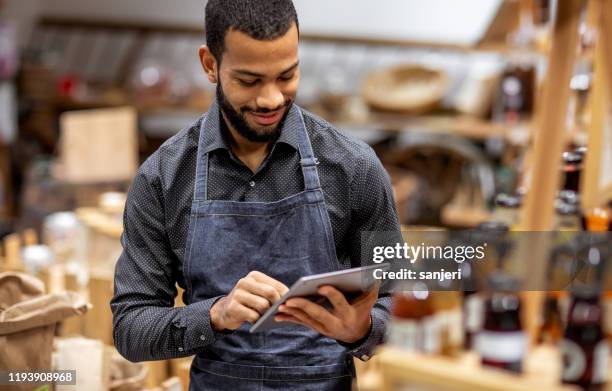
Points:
[[245, 109]]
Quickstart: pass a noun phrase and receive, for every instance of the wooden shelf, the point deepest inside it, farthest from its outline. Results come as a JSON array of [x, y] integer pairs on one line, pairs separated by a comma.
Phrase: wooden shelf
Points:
[[397, 367], [464, 216], [442, 123], [460, 125]]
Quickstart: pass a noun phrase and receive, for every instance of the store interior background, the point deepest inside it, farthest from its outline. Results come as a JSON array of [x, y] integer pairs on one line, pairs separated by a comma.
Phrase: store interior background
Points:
[[466, 75]]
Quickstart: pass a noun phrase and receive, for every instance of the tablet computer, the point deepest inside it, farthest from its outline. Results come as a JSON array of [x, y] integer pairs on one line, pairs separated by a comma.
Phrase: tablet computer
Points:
[[351, 282]]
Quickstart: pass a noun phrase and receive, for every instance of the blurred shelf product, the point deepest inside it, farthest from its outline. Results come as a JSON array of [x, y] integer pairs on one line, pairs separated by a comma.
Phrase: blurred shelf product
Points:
[[466, 126], [401, 370], [408, 89], [465, 217]]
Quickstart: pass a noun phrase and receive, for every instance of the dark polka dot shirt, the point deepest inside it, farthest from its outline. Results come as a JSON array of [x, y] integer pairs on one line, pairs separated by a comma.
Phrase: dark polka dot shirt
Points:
[[358, 197]]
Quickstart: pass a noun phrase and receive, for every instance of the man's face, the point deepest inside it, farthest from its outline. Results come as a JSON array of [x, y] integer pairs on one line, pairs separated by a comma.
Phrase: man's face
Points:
[[257, 83]]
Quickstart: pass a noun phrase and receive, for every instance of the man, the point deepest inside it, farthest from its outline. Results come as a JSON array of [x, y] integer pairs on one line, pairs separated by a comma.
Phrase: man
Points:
[[237, 207]]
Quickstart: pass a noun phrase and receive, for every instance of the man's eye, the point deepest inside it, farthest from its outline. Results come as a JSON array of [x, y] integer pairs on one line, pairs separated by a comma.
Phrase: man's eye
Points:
[[286, 78], [247, 83]]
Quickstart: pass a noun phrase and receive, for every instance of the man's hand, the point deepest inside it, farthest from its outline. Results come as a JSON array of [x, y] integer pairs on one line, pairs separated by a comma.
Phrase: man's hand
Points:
[[344, 322], [248, 300]]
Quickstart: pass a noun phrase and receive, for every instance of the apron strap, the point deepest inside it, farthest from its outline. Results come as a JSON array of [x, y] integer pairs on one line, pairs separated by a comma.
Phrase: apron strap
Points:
[[201, 175], [308, 162]]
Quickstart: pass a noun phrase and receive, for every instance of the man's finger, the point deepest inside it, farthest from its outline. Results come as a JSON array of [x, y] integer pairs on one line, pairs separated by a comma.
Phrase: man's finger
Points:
[[257, 303], [336, 298], [279, 286], [243, 314], [266, 291], [313, 310], [305, 319], [368, 297]]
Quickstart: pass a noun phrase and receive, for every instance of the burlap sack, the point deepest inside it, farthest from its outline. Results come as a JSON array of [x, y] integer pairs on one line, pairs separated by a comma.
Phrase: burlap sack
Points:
[[126, 375], [27, 322]]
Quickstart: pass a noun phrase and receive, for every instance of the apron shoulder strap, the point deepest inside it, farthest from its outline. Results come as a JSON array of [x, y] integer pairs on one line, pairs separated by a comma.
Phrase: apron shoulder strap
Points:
[[308, 162]]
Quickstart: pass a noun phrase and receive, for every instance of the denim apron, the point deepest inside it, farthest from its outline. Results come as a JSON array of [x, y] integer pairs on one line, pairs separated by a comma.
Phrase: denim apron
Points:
[[285, 239]]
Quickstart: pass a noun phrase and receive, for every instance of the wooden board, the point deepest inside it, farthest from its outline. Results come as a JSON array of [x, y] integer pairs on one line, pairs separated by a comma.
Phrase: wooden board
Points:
[[6, 191], [399, 368], [98, 322], [180, 368], [98, 145], [597, 178]]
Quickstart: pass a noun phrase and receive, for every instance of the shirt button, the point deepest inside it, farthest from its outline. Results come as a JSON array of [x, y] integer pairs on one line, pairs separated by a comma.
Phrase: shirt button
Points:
[[203, 337], [180, 349], [252, 183], [365, 357]]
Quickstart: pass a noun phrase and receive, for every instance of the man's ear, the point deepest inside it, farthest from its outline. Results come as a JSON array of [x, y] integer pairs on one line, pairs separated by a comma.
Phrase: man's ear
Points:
[[209, 63]]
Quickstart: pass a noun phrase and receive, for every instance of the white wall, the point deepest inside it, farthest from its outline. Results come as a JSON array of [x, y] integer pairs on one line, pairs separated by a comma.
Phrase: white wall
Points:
[[188, 12], [451, 21], [24, 14], [444, 21]]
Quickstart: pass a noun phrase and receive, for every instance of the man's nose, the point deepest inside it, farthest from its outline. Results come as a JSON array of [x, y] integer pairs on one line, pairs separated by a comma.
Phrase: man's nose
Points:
[[270, 97]]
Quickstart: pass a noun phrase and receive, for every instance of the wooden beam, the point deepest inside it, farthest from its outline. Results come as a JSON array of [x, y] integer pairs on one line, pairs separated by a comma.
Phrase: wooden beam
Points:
[[594, 193], [551, 120], [550, 130]]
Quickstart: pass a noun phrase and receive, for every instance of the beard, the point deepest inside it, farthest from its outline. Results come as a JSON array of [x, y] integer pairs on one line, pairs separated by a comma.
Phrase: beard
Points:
[[237, 120]]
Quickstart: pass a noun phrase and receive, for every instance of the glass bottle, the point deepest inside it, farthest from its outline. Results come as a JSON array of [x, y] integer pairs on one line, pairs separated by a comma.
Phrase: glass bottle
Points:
[[584, 347], [502, 342], [598, 219], [413, 325], [572, 170]]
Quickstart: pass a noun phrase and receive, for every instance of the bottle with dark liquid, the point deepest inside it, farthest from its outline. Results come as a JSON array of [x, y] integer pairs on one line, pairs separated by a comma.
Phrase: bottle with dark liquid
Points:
[[502, 342], [572, 170], [584, 347], [516, 93]]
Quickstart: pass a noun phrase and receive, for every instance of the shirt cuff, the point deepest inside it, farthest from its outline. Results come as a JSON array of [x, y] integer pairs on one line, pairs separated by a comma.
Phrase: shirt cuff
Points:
[[197, 331], [364, 348]]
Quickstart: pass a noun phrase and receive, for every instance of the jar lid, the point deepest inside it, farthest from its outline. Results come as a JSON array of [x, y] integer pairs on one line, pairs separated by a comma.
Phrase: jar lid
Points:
[[582, 151], [587, 291], [566, 208], [37, 257], [572, 158], [503, 282], [493, 226], [508, 200], [62, 220], [569, 197]]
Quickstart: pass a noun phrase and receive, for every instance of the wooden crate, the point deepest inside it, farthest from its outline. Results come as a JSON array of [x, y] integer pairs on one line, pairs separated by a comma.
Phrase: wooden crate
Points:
[[180, 368], [99, 319]]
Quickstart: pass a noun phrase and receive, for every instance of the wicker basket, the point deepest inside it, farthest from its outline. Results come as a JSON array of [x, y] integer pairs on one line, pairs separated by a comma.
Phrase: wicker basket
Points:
[[405, 88]]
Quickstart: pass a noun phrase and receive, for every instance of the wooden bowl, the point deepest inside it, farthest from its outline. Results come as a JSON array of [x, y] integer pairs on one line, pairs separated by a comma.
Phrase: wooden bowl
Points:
[[410, 89]]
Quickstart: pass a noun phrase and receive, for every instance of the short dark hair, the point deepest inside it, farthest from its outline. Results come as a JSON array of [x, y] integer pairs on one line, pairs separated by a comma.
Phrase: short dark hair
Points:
[[260, 19]]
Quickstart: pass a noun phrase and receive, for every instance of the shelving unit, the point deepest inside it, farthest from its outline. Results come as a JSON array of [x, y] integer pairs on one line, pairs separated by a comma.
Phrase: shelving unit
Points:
[[464, 373], [458, 374]]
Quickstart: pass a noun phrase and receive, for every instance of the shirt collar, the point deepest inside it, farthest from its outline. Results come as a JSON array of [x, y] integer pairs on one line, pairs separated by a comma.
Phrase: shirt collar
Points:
[[213, 132]]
